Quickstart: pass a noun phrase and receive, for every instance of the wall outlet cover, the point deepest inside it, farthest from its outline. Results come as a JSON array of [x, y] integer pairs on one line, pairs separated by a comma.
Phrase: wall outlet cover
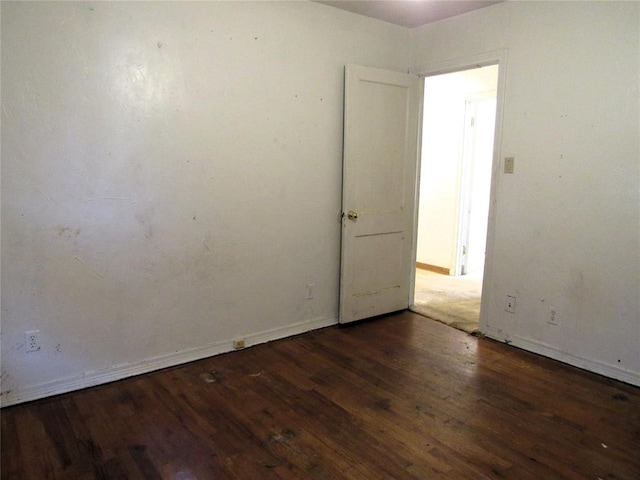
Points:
[[510, 304], [31, 341]]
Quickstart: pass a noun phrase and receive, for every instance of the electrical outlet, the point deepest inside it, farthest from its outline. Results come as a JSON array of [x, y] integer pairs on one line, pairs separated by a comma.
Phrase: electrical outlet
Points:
[[510, 304], [553, 316], [238, 344], [31, 341]]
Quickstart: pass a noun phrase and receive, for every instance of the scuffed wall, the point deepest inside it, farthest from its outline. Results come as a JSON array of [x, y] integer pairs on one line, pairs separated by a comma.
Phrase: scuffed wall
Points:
[[171, 179], [567, 222]]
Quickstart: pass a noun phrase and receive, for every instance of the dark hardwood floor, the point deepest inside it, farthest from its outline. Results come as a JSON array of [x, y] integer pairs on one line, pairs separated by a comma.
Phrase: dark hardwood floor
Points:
[[399, 397]]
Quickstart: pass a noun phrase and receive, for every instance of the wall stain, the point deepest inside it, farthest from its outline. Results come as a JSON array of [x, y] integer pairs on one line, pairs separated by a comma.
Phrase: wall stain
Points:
[[204, 243], [67, 232], [95, 272], [145, 219]]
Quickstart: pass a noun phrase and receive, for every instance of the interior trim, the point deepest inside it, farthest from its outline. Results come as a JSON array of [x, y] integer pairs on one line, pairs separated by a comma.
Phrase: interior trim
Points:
[[120, 372], [433, 268]]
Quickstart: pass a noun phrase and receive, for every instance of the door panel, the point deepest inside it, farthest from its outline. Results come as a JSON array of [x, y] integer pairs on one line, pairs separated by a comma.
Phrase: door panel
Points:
[[380, 141], [476, 182]]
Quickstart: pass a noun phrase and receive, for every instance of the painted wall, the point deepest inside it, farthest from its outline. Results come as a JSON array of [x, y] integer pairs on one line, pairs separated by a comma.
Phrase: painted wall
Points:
[[441, 160], [171, 179], [567, 222]]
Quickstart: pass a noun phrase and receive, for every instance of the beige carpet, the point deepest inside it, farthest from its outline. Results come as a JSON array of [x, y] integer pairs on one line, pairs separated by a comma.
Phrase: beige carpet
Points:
[[451, 300]]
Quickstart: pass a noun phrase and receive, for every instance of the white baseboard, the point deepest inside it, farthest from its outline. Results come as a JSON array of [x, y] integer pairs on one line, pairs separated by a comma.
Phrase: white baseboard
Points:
[[119, 372], [610, 371]]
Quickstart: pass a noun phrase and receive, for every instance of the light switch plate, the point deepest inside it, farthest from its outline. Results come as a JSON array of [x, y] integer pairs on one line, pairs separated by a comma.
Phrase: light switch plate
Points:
[[509, 164]]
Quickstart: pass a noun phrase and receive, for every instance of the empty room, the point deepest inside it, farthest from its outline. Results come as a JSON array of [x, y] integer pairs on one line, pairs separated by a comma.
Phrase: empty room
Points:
[[208, 242]]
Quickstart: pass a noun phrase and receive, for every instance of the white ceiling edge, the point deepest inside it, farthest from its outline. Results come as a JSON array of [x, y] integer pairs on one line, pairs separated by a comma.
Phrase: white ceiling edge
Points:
[[409, 13]]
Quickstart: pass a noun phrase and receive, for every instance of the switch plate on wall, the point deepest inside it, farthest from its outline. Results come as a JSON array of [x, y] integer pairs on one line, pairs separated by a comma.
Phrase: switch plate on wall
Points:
[[509, 164]]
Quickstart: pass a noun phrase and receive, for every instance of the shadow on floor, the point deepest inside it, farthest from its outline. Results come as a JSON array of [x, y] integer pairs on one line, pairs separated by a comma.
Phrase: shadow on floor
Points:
[[454, 301]]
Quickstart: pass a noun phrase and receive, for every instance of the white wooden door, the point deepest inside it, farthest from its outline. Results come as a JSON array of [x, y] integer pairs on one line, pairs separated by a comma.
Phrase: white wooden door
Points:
[[480, 118], [378, 193]]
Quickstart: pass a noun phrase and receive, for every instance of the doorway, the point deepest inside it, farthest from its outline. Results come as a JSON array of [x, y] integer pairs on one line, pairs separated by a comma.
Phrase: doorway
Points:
[[458, 131]]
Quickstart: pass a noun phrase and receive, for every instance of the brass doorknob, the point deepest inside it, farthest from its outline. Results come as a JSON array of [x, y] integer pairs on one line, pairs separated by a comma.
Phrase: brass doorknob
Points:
[[351, 215]]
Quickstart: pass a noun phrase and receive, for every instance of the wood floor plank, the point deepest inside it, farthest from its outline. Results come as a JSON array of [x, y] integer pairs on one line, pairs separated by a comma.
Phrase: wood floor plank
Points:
[[398, 397]]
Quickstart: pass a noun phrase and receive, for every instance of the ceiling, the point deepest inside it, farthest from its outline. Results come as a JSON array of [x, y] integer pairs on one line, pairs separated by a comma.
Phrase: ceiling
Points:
[[409, 13]]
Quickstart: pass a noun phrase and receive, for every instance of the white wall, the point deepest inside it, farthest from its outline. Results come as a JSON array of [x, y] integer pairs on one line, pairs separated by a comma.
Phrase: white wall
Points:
[[171, 179], [567, 228], [441, 160]]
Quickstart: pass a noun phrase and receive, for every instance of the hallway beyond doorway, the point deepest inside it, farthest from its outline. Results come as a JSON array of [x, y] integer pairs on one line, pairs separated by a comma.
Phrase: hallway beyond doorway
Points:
[[453, 300]]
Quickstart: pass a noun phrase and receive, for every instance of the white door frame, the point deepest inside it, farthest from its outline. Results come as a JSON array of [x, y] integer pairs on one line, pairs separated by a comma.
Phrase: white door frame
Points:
[[499, 58]]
